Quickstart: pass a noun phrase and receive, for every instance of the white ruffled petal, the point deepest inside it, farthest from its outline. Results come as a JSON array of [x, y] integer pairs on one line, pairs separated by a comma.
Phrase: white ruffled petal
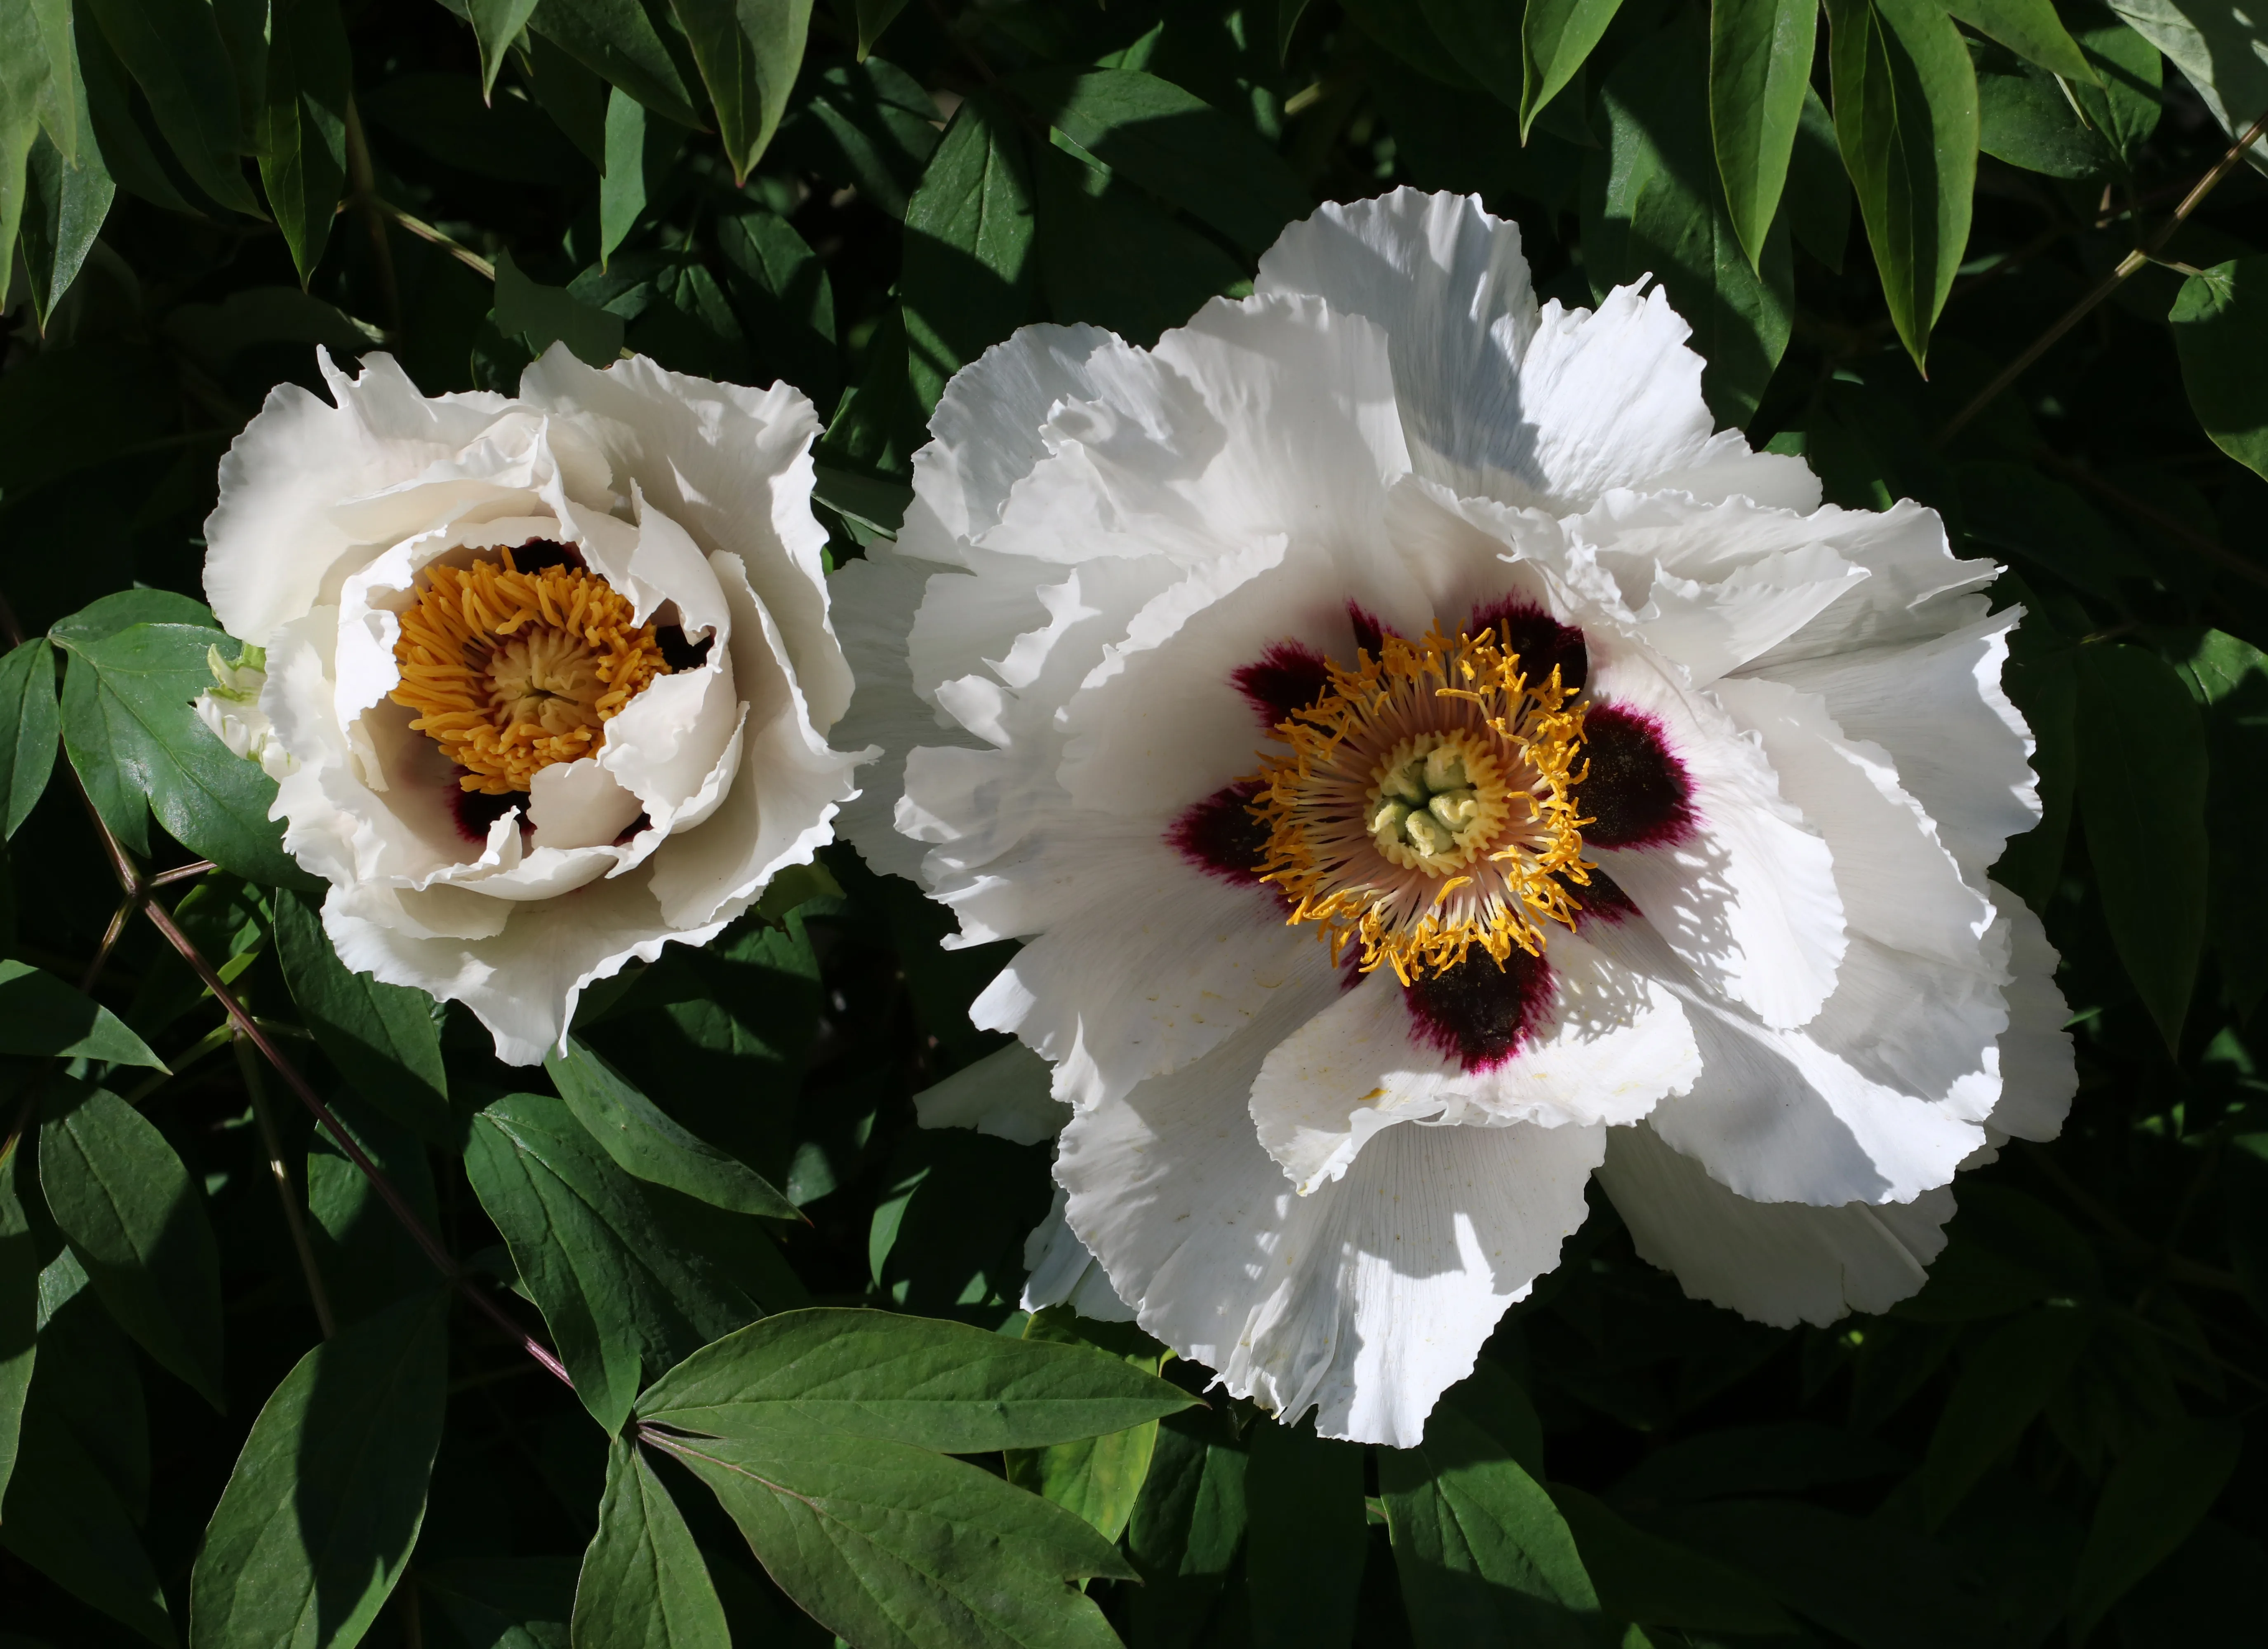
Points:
[[1778, 1262], [2037, 1074], [1061, 1271], [1365, 1300]]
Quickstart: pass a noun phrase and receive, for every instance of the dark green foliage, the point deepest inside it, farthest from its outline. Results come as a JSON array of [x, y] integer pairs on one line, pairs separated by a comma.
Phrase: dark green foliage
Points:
[[239, 1404]]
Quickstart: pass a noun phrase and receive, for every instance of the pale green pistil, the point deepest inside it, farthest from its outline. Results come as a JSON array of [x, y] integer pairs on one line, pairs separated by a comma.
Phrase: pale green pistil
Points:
[[1426, 803]]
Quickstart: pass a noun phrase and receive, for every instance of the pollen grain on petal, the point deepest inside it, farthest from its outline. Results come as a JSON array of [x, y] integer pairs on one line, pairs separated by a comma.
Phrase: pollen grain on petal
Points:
[[510, 670]]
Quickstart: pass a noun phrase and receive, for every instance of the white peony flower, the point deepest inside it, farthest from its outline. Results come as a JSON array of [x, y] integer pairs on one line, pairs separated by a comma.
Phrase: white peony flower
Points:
[[553, 675], [1428, 766], [230, 708]]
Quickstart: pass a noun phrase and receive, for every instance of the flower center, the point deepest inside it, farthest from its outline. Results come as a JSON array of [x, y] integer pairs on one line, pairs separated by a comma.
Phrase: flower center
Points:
[[512, 671], [1424, 804]]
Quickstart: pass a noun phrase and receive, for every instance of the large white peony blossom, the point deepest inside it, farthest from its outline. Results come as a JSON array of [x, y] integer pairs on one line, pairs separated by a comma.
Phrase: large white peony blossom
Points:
[[1428, 766], [548, 679]]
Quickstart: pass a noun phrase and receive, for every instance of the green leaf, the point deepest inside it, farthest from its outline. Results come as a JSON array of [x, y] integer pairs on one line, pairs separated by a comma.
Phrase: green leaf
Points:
[[2029, 120], [1110, 257], [2230, 676], [968, 272], [1662, 211], [496, 25], [748, 51], [1657, 1582], [1097, 1477], [1869, 1579], [1759, 71], [1175, 146], [625, 173], [65, 208], [1306, 1539], [40, 1015], [2160, 1491], [2220, 334], [646, 1141], [2046, 690], [2218, 45], [617, 40], [936, 1385], [302, 132], [369, 1262], [28, 709], [320, 1515], [1187, 1527], [644, 1585], [2031, 29], [19, 1302], [543, 315], [503, 1602], [24, 77], [895, 1548], [62, 1516], [1906, 118], [2126, 107], [780, 289], [137, 662], [174, 51], [63, 409], [1474, 34], [1556, 38], [62, 98], [629, 1277], [126, 1205], [383, 1038], [1483, 1552], [2003, 1386], [1787, 1457], [1818, 195], [2129, 701], [871, 126]]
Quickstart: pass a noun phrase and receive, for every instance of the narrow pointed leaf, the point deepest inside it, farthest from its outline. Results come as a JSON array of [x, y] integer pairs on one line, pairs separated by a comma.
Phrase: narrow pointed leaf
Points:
[[644, 1585], [319, 1517], [19, 1302], [302, 127], [2220, 333], [969, 264], [1759, 70], [2031, 29], [33, 721], [2003, 1386], [1556, 37], [2162, 1488], [748, 51], [126, 1205], [383, 1038], [646, 1141], [496, 25], [174, 51], [1306, 1538], [41, 1015]]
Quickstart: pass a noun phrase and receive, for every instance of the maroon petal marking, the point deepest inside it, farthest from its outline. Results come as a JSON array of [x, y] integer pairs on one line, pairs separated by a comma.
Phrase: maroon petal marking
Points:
[[1480, 1013], [1220, 836], [1599, 899], [540, 553], [476, 810], [1369, 634], [1288, 677], [1541, 640], [1636, 793]]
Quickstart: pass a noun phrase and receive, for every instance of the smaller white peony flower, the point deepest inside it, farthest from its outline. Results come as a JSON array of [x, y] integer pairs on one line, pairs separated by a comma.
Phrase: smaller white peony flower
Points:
[[545, 681], [1429, 766]]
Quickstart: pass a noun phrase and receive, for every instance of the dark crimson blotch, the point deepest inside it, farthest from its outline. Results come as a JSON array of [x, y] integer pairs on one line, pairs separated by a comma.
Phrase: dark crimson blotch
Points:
[[1289, 677], [1635, 793], [1369, 634], [1541, 640], [1220, 836], [476, 810], [1601, 898], [1479, 1012], [539, 553]]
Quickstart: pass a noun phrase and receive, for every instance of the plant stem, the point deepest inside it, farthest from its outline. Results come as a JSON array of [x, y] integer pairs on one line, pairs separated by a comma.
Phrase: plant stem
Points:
[[286, 1193], [424, 231], [2179, 531], [2128, 266]]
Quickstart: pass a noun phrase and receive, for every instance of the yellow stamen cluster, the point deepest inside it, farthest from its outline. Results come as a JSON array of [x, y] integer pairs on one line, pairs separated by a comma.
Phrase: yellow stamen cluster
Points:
[[509, 671], [1426, 805]]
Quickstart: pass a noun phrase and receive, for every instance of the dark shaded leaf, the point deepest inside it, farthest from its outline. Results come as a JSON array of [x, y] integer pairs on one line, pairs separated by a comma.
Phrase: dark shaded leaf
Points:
[[302, 132], [645, 1141], [616, 40], [643, 1584], [748, 51], [2159, 1493], [541, 315], [382, 1038], [2221, 333], [173, 50], [1656, 1582], [1305, 1543], [2003, 1388], [968, 267], [41, 1015], [29, 711]]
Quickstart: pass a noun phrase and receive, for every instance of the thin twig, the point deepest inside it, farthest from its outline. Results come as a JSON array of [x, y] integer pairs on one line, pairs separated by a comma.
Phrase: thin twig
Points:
[[182, 873], [2128, 266], [2142, 510], [286, 1193], [424, 231], [362, 178], [117, 921]]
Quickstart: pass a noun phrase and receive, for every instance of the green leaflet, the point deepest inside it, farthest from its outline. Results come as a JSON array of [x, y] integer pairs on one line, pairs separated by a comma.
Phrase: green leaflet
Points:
[[1110, 256], [748, 51], [2031, 29], [968, 267], [541, 315], [646, 1141], [2003, 1386], [1185, 1528], [63, 1519], [1557, 36], [319, 1517], [383, 1038], [631, 1277], [896, 1547], [2221, 333], [1482, 1551], [1657, 1582], [2160, 1491], [2128, 700], [1098, 1477], [496, 25], [616, 40], [1905, 118], [19, 1301], [125, 1203], [2217, 44], [137, 662], [917, 1380], [41, 1015], [643, 1584], [2230, 676], [1662, 209], [174, 51], [65, 206], [302, 126], [1759, 73]]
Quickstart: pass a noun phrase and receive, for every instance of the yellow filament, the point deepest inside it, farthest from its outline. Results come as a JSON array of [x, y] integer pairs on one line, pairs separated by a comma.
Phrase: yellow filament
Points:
[[509, 671]]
